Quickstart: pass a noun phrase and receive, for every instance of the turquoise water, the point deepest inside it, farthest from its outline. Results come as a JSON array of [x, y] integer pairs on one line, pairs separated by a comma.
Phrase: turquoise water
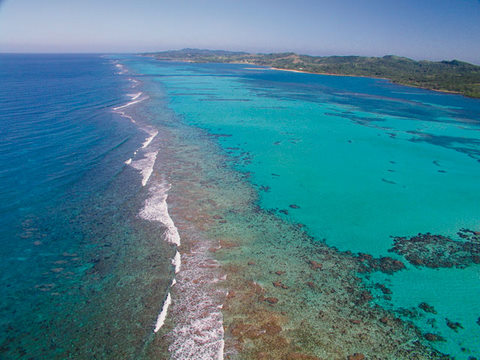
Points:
[[359, 159], [96, 151]]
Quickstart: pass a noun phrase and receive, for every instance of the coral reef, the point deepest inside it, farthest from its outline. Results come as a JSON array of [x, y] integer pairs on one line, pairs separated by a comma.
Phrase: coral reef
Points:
[[438, 251]]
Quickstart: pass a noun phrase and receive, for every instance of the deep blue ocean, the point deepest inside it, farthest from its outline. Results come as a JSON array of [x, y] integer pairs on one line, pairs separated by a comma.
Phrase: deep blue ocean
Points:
[[64, 207]]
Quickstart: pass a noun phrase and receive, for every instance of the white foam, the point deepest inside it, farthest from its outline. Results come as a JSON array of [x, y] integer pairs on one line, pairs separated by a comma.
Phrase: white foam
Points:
[[129, 161], [156, 209], [198, 332], [135, 96], [221, 347], [121, 68], [221, 278], [202, 339], [149, 139], [163, 314], [128, 104], [145, 165], [134, 82], [177, 262]]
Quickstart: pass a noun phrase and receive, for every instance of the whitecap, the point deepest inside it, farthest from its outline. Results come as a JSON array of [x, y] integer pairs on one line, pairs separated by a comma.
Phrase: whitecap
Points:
[[163, 314], [128, 104], [145, 165], [156, 209], [177, 262], [149, 139]]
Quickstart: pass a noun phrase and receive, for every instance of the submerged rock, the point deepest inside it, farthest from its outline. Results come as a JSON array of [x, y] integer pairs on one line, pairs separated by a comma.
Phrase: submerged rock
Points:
[[438, 251], [315, 265], [384, 320], [383, 289], [384, 264], [453, 325], [364, 297], [427, 308], [279, 284], [433, 337], [271, 300], [271, 328], [388, 181]]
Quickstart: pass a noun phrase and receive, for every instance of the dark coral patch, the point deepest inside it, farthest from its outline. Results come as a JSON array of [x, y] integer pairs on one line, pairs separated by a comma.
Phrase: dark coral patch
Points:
[[427, 308], [438, 251], [453, 325], [386, 265], [433, 337]]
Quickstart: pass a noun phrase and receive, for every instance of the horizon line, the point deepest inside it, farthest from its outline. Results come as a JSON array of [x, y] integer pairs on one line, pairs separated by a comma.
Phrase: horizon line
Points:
[[189, 48]]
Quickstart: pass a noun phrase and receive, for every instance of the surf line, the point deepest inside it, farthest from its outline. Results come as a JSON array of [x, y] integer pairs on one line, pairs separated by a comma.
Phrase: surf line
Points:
[[145, 165], [135, 98], [163, 313], [129, 103], [149, 139], [156, 209]]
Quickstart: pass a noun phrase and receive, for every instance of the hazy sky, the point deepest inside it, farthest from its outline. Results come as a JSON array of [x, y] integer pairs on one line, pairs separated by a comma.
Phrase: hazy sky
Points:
[[422, 29]]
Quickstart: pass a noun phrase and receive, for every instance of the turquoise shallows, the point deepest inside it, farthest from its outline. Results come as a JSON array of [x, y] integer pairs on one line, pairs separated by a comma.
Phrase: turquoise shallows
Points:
[[359, 159]]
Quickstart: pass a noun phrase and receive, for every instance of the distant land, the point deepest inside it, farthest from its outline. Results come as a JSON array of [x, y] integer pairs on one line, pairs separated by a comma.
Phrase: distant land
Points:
[[448, 76]]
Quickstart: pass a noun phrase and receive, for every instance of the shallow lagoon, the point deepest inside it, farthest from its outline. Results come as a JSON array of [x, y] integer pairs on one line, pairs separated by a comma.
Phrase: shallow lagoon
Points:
[[355, 161]]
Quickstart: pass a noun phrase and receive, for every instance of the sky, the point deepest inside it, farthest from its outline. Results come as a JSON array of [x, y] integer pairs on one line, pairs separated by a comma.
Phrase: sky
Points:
[[420, 29]]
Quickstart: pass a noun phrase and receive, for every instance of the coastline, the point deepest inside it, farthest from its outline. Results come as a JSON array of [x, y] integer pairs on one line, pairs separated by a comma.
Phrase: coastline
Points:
[[444, 91], [375, 77]]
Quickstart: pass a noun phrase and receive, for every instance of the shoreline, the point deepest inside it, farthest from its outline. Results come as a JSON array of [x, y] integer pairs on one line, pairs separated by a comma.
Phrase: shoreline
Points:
[[375, 77], [443, 91]]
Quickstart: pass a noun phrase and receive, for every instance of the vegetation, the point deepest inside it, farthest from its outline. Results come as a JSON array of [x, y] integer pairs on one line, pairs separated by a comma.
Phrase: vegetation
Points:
[[451, 76]]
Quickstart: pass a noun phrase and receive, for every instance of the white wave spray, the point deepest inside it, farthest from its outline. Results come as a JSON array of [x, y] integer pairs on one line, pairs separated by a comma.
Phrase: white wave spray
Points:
[[156, 209], [145, 165]]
